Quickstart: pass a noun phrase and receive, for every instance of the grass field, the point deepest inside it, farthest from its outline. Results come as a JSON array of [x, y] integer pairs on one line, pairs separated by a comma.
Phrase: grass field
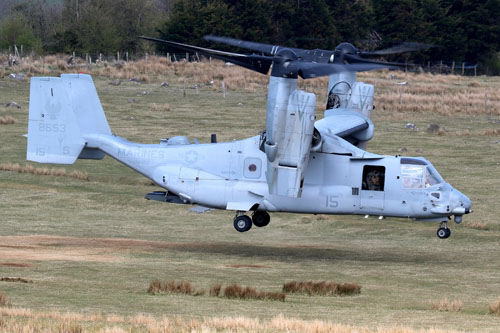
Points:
[[92, 247]]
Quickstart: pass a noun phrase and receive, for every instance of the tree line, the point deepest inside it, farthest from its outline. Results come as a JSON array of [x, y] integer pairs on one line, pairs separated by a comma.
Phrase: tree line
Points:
[[462, 31]]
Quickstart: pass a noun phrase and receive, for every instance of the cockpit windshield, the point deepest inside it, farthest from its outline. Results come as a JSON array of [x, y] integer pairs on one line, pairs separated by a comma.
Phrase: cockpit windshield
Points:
[[417, 173]]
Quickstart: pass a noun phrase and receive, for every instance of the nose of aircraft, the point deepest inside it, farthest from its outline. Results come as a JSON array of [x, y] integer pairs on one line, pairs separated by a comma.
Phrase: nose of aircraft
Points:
[[460, 203]]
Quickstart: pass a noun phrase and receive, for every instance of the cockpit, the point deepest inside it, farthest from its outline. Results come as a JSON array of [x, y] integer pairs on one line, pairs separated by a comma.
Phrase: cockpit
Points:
[[417, 173]]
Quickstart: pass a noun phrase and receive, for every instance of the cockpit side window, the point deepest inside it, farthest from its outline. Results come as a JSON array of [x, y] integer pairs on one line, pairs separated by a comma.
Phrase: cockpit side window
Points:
[[418, 176], [373, 178], [412, 175]]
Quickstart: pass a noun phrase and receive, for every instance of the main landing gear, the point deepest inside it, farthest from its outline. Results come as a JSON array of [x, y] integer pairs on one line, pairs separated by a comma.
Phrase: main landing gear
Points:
[[443, 232], [243, 223]]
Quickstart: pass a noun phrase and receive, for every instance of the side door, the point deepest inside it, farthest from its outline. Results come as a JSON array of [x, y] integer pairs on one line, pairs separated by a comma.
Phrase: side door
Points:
[[372, 188]]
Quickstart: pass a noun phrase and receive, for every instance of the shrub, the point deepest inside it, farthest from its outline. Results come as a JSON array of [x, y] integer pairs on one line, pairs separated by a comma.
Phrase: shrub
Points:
[[236, 291], [322, 288], [56, 172], [446, 305], [7, 120], [172, 287], [215, 290], [3, 299], [494, 308]]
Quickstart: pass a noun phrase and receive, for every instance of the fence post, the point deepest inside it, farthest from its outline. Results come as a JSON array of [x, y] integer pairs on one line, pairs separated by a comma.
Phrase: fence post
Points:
[[187, 56], [463, 68], [440, 66], [453, 67], [126, 55], [118, 56]]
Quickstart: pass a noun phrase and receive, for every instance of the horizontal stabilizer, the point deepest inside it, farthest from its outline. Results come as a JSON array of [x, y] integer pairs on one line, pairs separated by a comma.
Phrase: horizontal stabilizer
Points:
[[346, 123]]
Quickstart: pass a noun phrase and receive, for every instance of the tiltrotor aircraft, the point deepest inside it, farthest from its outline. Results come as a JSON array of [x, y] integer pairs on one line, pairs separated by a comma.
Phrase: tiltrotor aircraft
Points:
[[296, 165]]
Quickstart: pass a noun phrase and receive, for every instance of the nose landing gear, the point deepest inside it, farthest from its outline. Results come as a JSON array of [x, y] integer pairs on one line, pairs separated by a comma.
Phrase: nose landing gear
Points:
[[243, 223], [443, 232]]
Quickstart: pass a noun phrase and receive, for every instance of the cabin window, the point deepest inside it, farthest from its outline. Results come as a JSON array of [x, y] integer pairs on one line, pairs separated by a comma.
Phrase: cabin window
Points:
[[373, 178]]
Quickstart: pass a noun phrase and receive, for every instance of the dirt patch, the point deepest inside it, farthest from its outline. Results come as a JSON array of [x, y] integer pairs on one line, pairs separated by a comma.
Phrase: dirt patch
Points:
[[15, 264], [44, 248], [50, 248], [247, 266]]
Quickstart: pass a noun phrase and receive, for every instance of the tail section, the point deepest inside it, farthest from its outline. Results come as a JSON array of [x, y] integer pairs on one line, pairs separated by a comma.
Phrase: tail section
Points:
[[61, 112]]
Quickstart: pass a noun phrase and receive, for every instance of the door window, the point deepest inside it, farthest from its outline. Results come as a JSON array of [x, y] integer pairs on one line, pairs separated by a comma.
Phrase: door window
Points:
[[373, 178]]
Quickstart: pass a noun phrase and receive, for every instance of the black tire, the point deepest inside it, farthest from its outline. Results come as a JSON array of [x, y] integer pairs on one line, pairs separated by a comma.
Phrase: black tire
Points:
[[448, 233], [442, 233], [261, 218], [242, 223]]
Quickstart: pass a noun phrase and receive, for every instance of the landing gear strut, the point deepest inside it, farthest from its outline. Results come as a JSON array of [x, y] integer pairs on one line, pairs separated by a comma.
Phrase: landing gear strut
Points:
[[443, 232]]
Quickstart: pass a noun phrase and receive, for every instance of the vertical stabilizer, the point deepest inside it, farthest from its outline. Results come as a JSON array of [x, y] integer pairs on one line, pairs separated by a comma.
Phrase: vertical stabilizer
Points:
[[61, 112]]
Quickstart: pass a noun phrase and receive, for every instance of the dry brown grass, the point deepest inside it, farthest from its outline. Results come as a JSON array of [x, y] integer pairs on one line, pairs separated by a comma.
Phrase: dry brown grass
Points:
[[485, 132], [3, 301], [79, 175], [7, 120], [215, 290], [231, 291], [236, 291], [27, 320], [56, 172], [444, 94], [171, 287], [447, 305], [160, 107], [477, 225], [494, 308], [322, 288]]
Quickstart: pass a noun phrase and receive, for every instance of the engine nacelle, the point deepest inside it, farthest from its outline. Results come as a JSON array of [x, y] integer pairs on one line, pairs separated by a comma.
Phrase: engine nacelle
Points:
[[288, 152]]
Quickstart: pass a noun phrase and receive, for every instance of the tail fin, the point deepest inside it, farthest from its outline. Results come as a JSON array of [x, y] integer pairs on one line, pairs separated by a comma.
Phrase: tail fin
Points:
[[61, 112]]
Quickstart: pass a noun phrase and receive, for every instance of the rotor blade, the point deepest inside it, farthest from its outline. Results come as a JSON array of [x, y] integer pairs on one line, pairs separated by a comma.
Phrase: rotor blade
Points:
[[259, 47], [355, 59], [254, 62], [309, 70], [401, 48]]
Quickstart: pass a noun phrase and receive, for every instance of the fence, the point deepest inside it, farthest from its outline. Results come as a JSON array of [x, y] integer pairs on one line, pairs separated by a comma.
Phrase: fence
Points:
[[441, 67]]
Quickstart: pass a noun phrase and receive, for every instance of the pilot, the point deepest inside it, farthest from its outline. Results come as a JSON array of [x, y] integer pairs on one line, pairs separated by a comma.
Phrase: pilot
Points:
[[372, 181]]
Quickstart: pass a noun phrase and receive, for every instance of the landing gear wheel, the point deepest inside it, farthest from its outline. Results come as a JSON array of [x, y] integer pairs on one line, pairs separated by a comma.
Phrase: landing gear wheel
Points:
[[242, 223], [443, 233], [260, 218]]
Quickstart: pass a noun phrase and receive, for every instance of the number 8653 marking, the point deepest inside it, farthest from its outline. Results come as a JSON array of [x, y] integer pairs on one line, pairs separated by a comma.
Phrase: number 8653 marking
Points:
[[54, 128]]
